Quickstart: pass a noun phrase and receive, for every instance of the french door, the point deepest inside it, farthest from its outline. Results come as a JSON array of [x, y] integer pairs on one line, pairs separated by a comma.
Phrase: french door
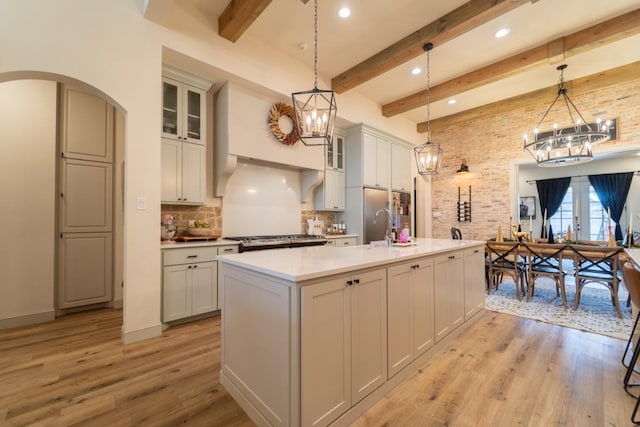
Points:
[[581, 209]]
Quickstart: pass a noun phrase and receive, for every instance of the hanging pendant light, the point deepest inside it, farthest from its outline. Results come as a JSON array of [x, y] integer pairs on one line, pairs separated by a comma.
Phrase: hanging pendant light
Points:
[[569, 145], [315, 109], [428, 155]]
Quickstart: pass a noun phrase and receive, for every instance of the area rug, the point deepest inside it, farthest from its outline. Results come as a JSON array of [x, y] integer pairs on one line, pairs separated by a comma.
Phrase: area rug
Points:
[[594, 314]]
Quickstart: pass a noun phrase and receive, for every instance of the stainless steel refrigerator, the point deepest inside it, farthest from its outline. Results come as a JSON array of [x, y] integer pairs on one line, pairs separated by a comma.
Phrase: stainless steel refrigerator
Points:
[[398, 213]]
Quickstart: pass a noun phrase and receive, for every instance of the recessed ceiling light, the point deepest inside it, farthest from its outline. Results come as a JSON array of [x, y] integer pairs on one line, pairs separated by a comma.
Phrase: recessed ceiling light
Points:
[[451, 101], [416, 71], [502, 32], [344, 12]]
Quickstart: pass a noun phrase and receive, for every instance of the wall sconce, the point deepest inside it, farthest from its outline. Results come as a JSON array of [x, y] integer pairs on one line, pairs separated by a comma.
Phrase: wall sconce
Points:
[[463, 167]]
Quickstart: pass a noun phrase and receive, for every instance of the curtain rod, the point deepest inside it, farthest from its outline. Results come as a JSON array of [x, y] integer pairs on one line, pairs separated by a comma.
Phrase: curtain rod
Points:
[[533, 181]]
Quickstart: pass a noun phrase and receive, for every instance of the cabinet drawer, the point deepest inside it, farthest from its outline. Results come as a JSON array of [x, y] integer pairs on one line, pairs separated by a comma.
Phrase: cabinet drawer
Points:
[[189, 255], [229, 249]]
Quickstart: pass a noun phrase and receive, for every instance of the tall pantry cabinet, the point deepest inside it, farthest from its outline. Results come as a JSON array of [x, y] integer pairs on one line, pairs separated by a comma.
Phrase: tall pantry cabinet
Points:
[[85, 254]]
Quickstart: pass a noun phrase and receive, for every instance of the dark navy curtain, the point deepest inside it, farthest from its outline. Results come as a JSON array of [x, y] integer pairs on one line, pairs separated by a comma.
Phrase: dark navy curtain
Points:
[[612, 190], [551, 192]]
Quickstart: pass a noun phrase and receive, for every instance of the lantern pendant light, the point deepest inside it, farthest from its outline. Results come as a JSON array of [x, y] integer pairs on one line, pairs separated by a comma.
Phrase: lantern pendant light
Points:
[[428, 155], [315, 109]]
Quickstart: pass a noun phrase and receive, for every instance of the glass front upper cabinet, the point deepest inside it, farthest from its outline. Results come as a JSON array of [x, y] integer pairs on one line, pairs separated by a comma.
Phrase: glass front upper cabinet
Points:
[[335, 153], [183, 112]]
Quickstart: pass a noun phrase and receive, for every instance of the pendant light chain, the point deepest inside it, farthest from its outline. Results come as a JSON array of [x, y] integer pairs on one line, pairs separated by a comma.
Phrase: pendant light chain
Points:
[[428, 94], [315, 44]]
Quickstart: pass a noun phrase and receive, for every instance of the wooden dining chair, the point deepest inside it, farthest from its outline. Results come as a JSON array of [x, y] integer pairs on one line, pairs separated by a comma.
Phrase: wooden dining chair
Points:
[[504, 258], [631, 278], [597, 264], [545, 260]]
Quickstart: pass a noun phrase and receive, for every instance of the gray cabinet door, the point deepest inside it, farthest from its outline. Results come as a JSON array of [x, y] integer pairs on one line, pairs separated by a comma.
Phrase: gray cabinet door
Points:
[[84, 270], [86, 126], [85, 196]]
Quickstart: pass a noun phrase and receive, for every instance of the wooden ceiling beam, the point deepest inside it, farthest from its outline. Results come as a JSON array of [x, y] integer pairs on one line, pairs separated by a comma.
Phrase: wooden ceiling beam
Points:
[[238, 16], [585, 84], [465, 18], [556, 51]]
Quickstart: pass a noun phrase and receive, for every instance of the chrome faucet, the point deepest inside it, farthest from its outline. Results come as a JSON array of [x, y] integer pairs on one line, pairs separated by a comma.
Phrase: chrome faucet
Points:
[[387, 234]]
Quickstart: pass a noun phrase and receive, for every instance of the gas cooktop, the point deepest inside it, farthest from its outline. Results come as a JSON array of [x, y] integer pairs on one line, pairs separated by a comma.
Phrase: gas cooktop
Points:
[[248, 243]]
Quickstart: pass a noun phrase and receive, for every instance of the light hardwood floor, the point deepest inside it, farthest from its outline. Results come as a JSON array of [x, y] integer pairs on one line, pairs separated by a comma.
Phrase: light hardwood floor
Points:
[[502, 371]]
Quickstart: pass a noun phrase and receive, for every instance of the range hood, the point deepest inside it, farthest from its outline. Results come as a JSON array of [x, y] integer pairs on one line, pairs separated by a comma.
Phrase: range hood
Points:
[[241, 132]]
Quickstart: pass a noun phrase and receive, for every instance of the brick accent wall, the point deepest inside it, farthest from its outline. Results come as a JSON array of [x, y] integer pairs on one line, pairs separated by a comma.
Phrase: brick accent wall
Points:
[[491, 144]]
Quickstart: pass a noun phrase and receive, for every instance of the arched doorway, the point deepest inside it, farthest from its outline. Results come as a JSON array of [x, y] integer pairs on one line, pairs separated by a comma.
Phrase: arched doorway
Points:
[[29, 113]]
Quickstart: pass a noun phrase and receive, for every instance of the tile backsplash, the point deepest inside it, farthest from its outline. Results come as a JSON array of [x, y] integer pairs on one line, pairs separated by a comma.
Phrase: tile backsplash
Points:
[[182, 215]]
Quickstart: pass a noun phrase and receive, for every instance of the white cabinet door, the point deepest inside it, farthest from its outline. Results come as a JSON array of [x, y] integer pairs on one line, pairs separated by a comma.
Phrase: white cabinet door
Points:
[[204, 287], [400, 319], [85, 196], [449, 293], [334, 190], [383, 163], [401, 168], [183, 169], [171, 171], [194, 173], [410, 312], [176, 292], [334, 155], [376, 158], [474, 282], [343, 344], [86, 126], [368, 333], [84, 269], [183, 112], [325, 352], [423, 306]]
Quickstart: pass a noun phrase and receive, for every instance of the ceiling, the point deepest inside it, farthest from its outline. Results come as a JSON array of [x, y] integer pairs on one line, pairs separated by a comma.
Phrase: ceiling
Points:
[[375, 25]]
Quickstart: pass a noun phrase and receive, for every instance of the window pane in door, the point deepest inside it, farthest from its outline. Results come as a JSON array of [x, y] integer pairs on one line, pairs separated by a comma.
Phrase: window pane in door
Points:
[[597, 218], [561, 220], [169, 108], [193, 115]]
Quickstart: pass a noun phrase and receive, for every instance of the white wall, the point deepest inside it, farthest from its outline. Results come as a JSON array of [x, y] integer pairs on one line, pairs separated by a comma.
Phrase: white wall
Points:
[[27, 189], [111, 47]]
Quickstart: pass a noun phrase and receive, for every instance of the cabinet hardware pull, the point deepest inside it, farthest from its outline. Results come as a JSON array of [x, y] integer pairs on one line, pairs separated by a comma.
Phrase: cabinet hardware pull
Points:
[[189, 267], [452, 257], [62, 195], [349, 282], [356, 281], [476, 251], [192, 256], [195, 266], [228, 250]]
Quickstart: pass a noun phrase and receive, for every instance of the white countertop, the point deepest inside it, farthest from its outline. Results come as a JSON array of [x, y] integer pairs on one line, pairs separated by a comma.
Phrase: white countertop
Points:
[[338, 236], [635, 255], [197, 243], [299, 264]]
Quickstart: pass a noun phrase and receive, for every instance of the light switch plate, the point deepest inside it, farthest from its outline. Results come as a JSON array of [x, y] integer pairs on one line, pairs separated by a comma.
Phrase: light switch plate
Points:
[[141, 203]]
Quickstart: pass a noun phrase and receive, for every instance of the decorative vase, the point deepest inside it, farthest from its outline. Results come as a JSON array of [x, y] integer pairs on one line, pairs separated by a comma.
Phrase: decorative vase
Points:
[[499, 237]]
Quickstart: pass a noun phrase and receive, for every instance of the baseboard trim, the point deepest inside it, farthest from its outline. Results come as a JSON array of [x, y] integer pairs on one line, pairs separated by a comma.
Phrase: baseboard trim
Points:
[[28, 319], [141, 334]]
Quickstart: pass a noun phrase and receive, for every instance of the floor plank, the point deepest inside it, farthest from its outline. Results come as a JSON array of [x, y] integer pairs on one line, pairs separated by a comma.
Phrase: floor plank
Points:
[[502, 371]]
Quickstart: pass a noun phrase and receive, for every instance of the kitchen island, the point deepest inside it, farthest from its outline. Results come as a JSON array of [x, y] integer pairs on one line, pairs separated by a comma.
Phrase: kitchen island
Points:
[[317, 335]]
